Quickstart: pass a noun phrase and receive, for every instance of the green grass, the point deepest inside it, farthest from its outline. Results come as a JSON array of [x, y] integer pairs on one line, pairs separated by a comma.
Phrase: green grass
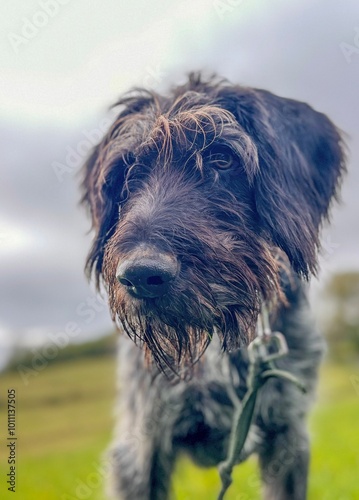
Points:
[[65, 421]]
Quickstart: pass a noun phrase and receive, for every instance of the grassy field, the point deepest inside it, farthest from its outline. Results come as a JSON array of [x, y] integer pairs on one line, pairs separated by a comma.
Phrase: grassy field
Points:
[[65, 418]]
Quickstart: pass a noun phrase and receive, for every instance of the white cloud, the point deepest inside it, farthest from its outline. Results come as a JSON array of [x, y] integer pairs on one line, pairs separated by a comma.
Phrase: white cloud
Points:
[[14, 238], [64, 72]]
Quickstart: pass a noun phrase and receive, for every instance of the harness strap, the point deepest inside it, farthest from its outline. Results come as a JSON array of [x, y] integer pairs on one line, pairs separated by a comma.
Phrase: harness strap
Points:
[[262, 352]]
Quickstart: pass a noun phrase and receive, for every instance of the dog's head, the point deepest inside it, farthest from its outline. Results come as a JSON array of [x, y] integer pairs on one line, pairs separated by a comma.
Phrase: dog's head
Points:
[[192, 196]]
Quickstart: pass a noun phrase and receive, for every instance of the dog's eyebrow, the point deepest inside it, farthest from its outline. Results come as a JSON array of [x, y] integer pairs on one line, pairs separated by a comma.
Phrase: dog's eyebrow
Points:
[[189, 128]]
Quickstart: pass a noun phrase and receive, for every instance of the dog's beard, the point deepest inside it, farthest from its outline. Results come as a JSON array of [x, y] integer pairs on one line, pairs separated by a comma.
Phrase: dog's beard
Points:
[[222, 296], [162, 325]]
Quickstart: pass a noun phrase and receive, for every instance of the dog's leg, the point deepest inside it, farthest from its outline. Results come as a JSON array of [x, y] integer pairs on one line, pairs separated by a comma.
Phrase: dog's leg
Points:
[[161, 473], [140, 472], [142, 456], [284, 465]]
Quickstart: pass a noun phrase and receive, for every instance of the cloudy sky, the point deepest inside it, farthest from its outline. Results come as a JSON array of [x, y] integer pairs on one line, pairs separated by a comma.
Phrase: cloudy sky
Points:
[[63, 62]]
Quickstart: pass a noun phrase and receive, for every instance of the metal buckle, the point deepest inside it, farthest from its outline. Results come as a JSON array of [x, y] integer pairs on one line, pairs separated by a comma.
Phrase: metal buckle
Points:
[[267, 348]]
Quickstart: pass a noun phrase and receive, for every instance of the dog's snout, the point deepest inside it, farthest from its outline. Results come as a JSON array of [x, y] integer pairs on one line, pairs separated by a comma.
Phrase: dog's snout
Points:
[[147, 276]]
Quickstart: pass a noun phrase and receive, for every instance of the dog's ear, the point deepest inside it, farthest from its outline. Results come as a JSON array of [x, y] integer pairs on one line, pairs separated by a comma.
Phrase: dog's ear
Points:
[[301, 163], [97, 186], [103, 175]]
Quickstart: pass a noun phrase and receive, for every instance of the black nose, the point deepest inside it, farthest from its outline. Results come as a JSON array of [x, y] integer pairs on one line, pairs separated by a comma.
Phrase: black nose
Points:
[[147, 276]]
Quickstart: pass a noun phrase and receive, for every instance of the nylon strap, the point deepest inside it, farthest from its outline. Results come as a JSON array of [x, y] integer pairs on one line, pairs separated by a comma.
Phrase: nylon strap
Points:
[[264, 349]]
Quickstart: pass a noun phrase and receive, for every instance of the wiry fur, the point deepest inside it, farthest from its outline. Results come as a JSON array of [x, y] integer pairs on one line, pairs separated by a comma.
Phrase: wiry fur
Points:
[[239, 235]]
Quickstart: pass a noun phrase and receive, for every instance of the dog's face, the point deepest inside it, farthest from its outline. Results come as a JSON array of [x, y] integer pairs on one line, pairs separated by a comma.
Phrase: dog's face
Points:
[[192, 198]]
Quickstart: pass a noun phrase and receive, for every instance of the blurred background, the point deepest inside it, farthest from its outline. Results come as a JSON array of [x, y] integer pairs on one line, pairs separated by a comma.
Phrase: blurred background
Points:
[[63, 63]]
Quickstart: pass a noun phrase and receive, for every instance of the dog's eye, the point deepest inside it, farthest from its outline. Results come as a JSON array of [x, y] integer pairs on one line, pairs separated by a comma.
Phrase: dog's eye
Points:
[[222, 159]]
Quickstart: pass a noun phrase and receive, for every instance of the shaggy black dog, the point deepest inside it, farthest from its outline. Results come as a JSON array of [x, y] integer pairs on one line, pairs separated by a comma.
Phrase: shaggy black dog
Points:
[[206, 203]]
